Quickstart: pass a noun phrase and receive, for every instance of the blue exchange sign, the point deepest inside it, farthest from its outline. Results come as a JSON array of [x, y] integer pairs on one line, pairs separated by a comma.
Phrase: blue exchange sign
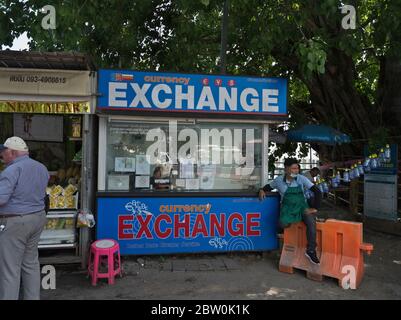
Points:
[[181, 225], [153, 91]]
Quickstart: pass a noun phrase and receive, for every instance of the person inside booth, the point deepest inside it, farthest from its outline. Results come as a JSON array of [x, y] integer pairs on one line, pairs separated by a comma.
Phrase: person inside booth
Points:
[[294, 206], [312, 174], [157, 182]]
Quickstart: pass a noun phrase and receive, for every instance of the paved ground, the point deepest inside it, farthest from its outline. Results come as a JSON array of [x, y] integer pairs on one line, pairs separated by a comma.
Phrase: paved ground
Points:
[[234, 276]]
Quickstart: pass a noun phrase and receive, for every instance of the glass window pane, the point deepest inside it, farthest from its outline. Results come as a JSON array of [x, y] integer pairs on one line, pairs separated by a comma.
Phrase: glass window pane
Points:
[[171, 156]]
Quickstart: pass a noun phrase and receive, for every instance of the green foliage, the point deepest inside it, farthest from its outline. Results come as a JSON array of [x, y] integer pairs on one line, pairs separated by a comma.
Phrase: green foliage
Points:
[[312, 56], [378, 139], [300, 40], [12, 17]]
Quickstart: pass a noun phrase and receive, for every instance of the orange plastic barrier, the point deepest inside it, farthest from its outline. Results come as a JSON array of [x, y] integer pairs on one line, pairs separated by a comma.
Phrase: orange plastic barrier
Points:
[[339, 247]]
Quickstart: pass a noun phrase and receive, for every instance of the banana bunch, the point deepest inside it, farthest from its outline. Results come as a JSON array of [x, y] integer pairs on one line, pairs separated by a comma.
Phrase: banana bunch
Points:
[[58, 224], [71, 175]]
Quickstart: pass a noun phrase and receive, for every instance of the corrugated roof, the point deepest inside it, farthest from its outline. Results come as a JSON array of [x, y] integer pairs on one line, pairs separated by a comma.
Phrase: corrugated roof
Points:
[[45, 60]]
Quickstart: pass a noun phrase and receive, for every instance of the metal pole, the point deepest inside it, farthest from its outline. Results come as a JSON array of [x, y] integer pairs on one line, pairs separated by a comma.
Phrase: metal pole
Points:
[[223, 48]]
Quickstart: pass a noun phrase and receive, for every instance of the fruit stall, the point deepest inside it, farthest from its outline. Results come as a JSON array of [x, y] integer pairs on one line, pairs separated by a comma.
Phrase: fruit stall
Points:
[[47, 100]]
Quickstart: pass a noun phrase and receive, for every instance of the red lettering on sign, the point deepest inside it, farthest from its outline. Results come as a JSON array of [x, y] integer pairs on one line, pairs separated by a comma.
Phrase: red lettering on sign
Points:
[[218, 82], [200, 226], [144, 227], [220, 225], [236, 225], [122, 226], [250, 224], [160, 234], [181, 225], [238, 231]]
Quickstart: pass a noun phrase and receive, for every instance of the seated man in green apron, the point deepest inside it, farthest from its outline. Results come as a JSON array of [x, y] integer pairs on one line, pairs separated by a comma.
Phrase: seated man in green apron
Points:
[[294, 207]]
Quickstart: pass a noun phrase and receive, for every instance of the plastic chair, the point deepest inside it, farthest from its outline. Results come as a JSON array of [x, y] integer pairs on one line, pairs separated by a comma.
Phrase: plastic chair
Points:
[[104, 252]]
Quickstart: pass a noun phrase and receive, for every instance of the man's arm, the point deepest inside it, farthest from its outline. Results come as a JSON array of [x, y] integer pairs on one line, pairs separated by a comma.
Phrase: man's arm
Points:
[[8, 181], [267, 188], [317, 199]]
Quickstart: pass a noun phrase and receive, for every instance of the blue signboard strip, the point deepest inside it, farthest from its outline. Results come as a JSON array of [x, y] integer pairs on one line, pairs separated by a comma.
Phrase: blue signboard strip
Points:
[[188, 225], [192, 93]]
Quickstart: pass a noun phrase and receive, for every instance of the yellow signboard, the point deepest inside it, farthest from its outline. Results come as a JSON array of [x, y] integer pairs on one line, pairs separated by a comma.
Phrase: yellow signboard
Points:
[[80, 107], [45, 82]]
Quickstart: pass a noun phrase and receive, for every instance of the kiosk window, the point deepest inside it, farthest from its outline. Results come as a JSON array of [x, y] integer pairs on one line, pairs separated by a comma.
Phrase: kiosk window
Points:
[[171, 156]]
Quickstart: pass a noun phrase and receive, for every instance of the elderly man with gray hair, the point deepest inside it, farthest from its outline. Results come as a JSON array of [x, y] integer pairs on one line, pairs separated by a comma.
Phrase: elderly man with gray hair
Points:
[[22, 218]]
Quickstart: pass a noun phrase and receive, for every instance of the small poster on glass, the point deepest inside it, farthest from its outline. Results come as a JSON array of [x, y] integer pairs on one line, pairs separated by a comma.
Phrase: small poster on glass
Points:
[[143, 164], [124, 164], [207, 174], [142, 181], [192, 184], [187, 168], [118, 182], [180, 183]]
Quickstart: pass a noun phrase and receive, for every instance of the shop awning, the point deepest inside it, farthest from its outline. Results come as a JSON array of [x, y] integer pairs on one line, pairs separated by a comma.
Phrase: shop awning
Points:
[[312, 133], [45, 60]]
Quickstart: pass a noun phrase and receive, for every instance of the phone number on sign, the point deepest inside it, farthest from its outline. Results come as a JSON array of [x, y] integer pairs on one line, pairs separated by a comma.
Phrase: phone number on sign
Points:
[[46, 79]]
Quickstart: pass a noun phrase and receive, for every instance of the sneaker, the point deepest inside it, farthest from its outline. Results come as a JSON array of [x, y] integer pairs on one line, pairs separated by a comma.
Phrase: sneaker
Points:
[[311, 255]]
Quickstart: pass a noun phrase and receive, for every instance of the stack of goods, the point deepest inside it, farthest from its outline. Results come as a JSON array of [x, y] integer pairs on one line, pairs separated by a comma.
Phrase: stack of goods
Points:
[[359, 168], [63, 198], [60, 223], [71, 175]]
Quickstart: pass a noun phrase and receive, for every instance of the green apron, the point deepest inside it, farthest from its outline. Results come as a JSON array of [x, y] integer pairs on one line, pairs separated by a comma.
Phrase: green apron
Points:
[[293, 205]]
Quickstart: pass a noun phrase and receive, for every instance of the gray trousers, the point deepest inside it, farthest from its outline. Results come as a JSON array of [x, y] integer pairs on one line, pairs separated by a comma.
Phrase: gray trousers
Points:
[[19, 257]]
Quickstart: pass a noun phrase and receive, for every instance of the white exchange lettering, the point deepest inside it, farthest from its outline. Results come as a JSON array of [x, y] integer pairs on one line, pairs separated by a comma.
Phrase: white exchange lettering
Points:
[[189, 96], [164, 96], [229, 99], [206, 99], [254, 101], [140, 95], [114, 94], [270, 100], [156, 99]]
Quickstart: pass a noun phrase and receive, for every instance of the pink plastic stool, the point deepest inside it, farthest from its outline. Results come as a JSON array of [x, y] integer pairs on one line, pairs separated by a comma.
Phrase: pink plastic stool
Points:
[[105, 250]]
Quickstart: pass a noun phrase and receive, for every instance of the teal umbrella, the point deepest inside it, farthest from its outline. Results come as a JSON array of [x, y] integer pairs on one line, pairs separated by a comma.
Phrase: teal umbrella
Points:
[[313, 133]]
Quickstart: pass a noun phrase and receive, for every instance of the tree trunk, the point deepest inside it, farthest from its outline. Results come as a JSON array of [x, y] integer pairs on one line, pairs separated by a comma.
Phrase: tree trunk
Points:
[[389, 92]]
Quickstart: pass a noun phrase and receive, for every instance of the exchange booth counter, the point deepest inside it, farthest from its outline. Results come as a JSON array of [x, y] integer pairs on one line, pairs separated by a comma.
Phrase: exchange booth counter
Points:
[[181, 160], [159, 193], [166, 222]]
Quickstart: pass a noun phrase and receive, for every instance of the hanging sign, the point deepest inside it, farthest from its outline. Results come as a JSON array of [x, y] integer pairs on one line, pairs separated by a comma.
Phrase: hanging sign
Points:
[[191, 93], [45, 107]]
